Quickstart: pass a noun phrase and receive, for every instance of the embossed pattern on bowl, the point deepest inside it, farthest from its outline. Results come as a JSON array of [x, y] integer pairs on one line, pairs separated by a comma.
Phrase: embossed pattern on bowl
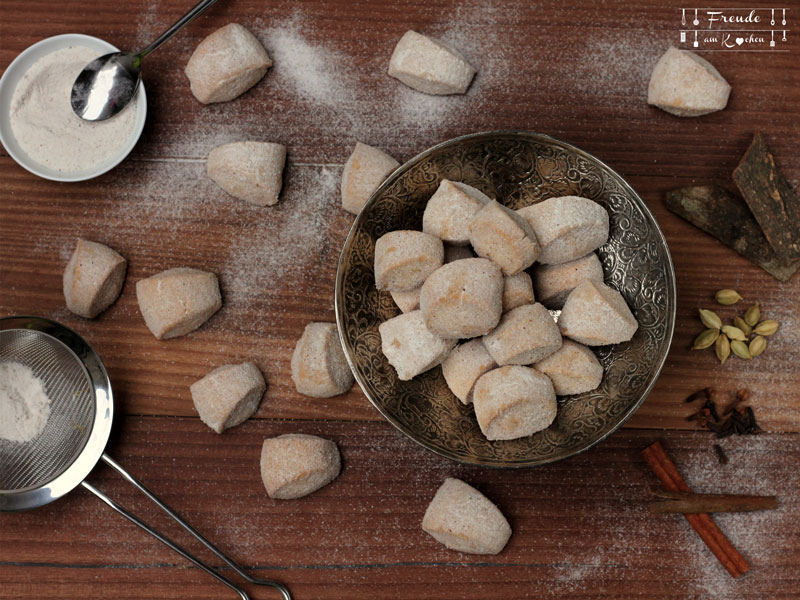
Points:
[[518, 169]]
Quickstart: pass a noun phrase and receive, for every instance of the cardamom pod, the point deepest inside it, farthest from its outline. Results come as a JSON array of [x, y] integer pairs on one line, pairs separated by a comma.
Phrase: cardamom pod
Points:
[[757, 346], [710, 319], [722, 347], [739, 348], [752, 315], [767, 327], [734, 333], [727, 297], [742, 324], [706, 339]]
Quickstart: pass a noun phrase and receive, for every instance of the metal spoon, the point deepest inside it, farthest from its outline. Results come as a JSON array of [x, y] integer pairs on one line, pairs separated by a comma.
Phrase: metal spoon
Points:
[[108, 83]]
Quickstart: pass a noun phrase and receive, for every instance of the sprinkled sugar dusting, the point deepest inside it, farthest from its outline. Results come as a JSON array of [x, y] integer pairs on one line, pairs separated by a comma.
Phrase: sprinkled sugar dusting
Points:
[[317, 89], [290, 237]]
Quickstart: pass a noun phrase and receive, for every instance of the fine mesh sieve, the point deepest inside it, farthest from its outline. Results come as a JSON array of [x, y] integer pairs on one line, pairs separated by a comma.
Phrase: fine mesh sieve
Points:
[[24, 466], [74, 439]]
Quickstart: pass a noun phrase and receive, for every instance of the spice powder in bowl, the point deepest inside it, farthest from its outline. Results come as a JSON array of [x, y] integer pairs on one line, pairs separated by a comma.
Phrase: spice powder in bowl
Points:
[[49, 139]]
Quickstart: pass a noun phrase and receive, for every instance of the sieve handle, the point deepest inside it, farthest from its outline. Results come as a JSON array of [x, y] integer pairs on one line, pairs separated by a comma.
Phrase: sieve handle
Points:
[[169, 543]]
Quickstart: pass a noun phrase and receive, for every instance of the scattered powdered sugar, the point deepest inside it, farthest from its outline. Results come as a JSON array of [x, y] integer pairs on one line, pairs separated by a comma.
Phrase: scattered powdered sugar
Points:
[[751, 470], [617, 67], [24, 404], [290, 237], [314, 72], [321, 95]]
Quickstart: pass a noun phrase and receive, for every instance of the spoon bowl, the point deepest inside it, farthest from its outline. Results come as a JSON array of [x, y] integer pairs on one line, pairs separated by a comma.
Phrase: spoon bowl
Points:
[[106, 85]]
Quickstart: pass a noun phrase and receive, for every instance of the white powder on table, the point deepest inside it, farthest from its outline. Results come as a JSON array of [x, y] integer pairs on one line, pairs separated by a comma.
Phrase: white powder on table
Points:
[[44, 125], [24, 404]]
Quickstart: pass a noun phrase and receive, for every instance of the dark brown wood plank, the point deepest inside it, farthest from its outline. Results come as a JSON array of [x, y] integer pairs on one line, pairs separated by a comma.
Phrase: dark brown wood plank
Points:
[[581, 527], [277, 265], [277, 268]]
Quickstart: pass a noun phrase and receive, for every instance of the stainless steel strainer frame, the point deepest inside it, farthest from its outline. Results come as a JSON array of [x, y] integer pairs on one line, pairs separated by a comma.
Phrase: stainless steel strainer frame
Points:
[[94, 451]]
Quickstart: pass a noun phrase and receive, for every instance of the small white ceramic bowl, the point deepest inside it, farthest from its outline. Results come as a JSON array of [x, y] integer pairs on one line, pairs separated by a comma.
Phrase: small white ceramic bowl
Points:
[[9, 82]]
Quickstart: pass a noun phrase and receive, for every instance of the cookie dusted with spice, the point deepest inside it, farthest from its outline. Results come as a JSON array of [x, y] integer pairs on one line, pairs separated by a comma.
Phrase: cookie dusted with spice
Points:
[[226, 64], [553, 283], [295, 465], [513, 402], [405, 258], [93, 278], [319, 366], [464, 366], [686, 85], [430, 65], [451, 209], [177, 301], [463, 519], [365, 170], [517, 290], [463, 299], [596, 315], [500, 234], [573, 369], [228, 395], [410, 347], [525, 335], [249, 171], [567, 227]]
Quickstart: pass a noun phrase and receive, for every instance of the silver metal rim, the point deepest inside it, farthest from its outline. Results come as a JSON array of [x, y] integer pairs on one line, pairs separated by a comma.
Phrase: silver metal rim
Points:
[[531, 136], [73, 475]]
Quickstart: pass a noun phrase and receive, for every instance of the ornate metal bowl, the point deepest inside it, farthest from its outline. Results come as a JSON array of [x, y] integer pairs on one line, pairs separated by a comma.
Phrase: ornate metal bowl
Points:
[[518, 169]]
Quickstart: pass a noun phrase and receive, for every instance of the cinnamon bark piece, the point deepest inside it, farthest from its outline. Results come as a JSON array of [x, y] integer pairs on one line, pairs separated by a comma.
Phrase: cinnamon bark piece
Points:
[[726, 217], [772, 200]]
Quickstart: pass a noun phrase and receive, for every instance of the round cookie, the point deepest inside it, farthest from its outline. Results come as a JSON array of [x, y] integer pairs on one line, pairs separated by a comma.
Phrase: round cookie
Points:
[[525, 335], [295, 464], [405, 258], [513, 402], [573, 369], [595, 314], [501, 235], [567, 227], [463, 299], [93, 278], [319, 367], [463, 519], [451, 209], [464, 365]]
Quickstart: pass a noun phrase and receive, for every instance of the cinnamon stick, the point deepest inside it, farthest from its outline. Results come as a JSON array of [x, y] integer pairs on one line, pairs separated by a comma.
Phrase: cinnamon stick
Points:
[[691, 503], [712, 536]]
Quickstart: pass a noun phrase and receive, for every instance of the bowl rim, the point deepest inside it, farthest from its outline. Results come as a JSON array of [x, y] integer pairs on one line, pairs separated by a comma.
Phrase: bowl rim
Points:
[[531, 136], [15, 70]]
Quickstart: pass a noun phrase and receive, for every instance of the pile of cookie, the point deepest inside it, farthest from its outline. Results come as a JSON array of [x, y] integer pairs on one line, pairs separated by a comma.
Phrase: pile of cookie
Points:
[[469, 305]]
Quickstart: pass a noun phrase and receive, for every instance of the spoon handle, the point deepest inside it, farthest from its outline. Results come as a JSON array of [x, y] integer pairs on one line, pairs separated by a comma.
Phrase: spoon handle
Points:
[[196, 11]]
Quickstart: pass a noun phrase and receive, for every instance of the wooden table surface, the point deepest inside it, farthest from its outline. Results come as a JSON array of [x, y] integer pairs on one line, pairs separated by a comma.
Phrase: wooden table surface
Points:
[[574, 70]]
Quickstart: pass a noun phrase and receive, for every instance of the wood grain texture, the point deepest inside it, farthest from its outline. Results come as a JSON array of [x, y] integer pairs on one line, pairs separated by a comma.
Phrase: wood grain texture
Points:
[[581, 527], [577, 71], [160, 211]]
